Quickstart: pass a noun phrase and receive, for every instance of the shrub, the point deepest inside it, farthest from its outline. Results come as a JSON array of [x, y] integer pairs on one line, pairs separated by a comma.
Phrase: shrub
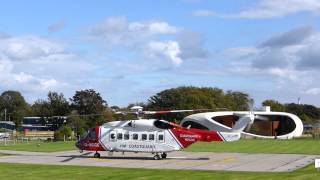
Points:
[[63, 131]]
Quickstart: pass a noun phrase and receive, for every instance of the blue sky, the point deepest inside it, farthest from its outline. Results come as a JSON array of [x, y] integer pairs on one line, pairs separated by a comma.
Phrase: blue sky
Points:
[[130, 50]]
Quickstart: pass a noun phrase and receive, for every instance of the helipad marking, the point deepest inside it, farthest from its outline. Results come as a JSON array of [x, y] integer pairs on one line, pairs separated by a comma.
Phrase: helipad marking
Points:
[[226, 160], [97, 159]]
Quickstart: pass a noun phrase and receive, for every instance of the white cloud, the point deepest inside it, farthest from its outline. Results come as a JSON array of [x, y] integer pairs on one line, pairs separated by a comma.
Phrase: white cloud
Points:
[[292, 37], [162, 40], [203, 13], [285, 73], [154, 27], [5, 70], [35, 65], [284, 63], [29, 48], [47, 84], [191, 45], [4, 35], [22, 77], [5, 66], [240, 52], [289, 50], [23, 81], [118, 31], [278, 8], [313, 91], [168, 49]]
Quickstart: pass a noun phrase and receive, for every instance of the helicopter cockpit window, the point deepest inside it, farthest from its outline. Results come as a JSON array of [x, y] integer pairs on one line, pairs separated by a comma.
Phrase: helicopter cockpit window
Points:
[[112, 136], [91, 135]]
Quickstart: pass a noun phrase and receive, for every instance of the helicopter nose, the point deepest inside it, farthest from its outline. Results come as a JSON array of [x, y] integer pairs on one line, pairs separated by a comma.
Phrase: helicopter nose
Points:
[[79, 145]]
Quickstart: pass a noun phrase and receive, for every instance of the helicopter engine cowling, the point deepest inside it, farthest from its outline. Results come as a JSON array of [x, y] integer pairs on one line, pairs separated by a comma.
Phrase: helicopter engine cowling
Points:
[[148, 124], [142, 124]]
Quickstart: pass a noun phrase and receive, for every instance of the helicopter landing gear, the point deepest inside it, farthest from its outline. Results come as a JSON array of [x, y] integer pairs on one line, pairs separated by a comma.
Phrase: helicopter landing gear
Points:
[[96, 155], [156, 157], [164, 155]]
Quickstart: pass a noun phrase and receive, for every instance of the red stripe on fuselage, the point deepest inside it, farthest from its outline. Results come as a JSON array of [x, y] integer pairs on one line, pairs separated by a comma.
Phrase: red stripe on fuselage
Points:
[[207, 135], [186, 137]]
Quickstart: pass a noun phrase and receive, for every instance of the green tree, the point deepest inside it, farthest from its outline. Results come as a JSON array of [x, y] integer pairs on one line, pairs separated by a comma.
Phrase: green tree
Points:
[[58, 104], [306, 112], [41, 108], [274, 105], [305, 118], [77, 123], [89, 103], [15, 105], [197, 98], [54, 105], [186, 98], [238, 101]]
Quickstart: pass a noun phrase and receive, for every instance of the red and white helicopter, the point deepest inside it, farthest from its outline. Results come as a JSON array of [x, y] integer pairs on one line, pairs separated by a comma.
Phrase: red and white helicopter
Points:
[[148, 135]]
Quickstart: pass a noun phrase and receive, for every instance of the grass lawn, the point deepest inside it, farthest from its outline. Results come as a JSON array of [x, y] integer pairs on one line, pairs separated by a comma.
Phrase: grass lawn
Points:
[[37, 146], [28, 171], [295, 146]]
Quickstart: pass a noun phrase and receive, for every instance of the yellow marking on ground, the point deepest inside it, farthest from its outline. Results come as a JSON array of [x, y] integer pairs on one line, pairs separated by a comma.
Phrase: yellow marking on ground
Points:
[[226, 160], [97, 159]]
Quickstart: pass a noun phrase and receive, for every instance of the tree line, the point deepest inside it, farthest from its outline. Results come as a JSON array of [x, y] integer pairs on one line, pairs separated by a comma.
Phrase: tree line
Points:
[[84, 110], [309, 114], [87, 108]]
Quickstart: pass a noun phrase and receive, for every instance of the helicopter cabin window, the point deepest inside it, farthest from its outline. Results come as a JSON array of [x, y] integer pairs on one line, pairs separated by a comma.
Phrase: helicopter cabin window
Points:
[[151, 137], [126, 136], [160, 138], [144, 137], [112, 136], [135, 136], [119, 136]]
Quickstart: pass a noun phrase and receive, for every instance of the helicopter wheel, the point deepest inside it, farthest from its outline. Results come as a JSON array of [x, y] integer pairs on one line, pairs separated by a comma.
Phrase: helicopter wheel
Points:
[[156, 157], [164, 155], [96, 155]]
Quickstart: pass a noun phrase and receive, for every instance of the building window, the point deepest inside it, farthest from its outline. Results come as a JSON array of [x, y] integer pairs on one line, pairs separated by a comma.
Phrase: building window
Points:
[[143, 137], [135, 136], [151, 137]]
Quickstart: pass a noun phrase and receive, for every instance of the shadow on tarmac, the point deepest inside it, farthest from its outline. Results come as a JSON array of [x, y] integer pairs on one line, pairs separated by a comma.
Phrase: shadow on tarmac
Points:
[[71, 157]]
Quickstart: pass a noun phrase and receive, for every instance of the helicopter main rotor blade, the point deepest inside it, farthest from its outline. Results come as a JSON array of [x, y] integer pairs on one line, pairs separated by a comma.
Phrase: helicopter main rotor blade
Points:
[[174, 111]]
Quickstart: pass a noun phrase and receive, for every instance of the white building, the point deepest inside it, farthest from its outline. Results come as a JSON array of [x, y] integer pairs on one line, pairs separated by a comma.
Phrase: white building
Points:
[[262, 124]]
